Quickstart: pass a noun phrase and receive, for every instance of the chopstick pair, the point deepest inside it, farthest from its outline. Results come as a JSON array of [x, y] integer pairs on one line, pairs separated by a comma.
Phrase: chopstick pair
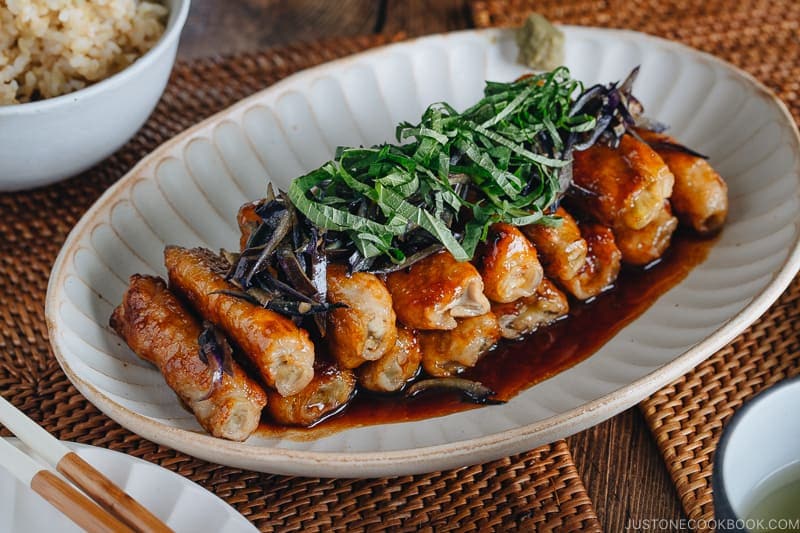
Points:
[[112, 509]]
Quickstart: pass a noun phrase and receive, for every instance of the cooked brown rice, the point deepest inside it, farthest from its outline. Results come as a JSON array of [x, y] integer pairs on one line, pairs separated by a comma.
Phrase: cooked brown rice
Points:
[[53, 47]]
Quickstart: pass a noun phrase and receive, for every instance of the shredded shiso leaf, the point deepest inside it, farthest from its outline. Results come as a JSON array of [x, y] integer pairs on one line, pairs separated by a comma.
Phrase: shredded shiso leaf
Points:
[[508, 158], [498, 161], [217, 354]]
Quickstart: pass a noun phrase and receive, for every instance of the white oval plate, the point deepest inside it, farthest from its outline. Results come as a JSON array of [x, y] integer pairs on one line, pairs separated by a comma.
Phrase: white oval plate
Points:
[[184, 506], [188, 191]]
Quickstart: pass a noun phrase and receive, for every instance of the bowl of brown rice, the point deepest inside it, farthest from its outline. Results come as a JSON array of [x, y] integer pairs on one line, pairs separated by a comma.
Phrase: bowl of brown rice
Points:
[[77, 80]]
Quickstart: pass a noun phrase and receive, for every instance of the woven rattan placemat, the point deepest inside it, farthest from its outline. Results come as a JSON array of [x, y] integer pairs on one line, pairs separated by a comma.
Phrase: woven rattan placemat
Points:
[[762, 37], [539, 490]]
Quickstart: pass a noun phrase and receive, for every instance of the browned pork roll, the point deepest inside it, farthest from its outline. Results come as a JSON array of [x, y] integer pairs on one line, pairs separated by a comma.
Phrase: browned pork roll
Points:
[[700, 195], [583, 259], [561, 248], [601, 267], [623, 187], [282, 352], [433, 292], [365, 329], [329, 391], [508, 264], [160, 330], [396, 367], [447, 353], [640, 247], [528, 314]]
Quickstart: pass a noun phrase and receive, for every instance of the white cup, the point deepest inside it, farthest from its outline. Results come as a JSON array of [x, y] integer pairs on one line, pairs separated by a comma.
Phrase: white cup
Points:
[[762, 439]]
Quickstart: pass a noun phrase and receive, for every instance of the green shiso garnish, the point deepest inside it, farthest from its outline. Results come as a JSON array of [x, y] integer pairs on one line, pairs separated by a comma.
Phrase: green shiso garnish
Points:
[[453, 175]]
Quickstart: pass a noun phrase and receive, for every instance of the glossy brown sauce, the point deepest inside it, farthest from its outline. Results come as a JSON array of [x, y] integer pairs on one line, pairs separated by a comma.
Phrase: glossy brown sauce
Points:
[[514, 366]]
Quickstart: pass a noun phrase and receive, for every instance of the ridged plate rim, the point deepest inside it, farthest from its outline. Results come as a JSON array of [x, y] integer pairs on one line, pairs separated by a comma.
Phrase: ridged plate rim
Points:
[[428, 458]]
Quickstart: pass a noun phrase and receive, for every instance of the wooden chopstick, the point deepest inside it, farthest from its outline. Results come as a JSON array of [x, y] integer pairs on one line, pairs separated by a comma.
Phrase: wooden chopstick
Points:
[[101, 489], [63, 496]]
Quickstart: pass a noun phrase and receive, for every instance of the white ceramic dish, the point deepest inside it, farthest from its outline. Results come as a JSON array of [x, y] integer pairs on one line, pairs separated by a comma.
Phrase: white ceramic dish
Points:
[[188, 192], [183, 505], [46, 141]]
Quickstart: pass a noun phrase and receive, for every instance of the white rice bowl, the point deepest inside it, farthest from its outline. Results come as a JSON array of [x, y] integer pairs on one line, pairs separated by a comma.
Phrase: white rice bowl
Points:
[[53, 47]]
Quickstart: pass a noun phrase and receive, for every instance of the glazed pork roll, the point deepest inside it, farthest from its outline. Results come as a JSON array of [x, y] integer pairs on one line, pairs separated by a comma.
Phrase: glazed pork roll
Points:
[[160, 330], [528, 314], [396, 367], [365, 329], [623, 187], [583, 259], [329, 391], [434, 292], [447, 353], [601, 268], [562, 249], [508, 264], [640, 247], [700, 195], [282, 353]]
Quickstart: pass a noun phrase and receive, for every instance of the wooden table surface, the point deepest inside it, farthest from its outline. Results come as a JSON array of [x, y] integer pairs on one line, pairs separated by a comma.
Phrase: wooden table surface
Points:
[[618, 459]]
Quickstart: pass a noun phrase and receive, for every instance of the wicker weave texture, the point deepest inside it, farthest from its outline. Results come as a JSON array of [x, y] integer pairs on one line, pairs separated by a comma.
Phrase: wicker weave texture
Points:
[[687, 417], [760, 37], [539, 490]]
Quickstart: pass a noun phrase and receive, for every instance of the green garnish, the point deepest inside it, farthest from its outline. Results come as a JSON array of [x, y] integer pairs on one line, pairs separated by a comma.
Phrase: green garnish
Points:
[[499, 160]]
